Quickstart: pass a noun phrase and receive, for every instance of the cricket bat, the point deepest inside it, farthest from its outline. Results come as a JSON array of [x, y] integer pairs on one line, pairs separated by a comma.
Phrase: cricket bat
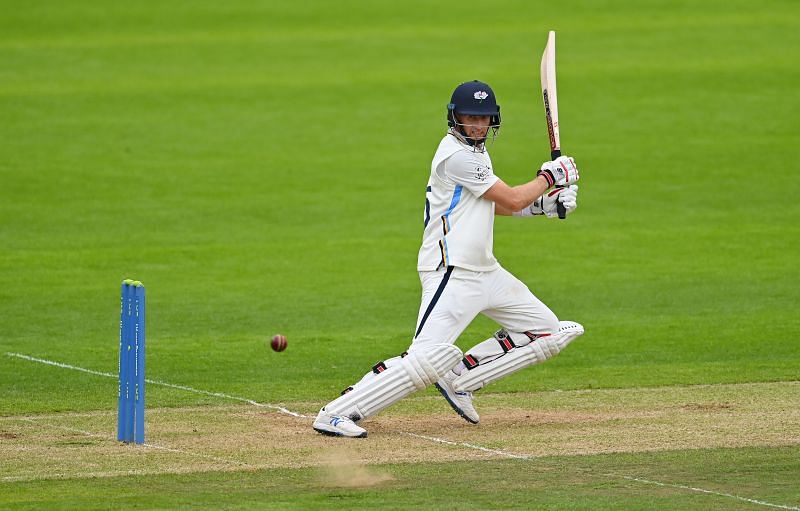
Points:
[[548, 75]]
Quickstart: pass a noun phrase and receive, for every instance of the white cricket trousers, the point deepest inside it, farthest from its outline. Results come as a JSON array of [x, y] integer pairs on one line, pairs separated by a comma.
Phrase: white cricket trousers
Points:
[[452, 297]]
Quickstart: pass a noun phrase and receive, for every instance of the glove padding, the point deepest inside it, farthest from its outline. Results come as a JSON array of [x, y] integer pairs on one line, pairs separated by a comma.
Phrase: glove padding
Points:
[[567, 196], [559, 172], [547, 204]]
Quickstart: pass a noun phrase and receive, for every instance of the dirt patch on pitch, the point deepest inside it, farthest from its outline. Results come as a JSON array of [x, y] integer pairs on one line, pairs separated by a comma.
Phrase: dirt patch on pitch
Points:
[[422, 429]]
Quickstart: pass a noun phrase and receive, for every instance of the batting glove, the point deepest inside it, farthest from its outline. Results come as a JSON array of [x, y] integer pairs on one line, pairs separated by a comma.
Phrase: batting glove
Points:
[[567, 196], [559, 172]]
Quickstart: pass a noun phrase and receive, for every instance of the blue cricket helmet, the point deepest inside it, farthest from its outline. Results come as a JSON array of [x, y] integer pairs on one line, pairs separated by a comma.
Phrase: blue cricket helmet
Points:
[[473, 98]]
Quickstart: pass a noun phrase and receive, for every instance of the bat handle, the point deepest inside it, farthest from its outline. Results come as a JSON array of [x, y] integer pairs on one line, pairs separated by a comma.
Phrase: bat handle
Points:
[[560, 209]]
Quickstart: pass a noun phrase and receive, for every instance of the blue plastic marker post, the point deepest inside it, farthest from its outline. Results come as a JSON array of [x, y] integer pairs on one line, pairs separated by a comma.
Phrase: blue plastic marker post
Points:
[[139, 356], [126, 370], [130, 418], [122, 365], [130, 354]]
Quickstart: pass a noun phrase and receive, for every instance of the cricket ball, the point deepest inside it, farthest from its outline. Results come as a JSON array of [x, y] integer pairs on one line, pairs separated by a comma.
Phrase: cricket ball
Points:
[[278, 342]]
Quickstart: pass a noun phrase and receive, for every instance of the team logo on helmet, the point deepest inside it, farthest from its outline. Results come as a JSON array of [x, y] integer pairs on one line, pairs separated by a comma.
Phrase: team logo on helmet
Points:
[[481, 95]]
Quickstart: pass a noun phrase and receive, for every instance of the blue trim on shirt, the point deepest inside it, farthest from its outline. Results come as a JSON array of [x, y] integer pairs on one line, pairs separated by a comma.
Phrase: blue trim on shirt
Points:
[[453, 204]]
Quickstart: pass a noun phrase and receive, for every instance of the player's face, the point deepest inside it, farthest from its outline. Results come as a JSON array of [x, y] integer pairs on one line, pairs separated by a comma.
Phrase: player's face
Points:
[[475, 126]]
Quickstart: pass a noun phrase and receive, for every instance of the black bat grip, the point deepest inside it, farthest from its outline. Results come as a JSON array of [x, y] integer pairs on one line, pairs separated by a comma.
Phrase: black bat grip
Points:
[[560, 209]]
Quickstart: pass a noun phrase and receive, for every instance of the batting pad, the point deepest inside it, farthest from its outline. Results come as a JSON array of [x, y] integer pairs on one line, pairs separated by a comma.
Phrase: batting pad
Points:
[[420, 368], [534, 352]]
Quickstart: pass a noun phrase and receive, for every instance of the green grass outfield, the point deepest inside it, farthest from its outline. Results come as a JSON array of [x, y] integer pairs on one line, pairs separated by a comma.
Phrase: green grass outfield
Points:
[[261, 166]]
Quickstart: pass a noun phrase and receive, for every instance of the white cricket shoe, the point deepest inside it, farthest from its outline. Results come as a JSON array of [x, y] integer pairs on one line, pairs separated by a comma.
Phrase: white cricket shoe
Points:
[[460, 401], [337, 425]]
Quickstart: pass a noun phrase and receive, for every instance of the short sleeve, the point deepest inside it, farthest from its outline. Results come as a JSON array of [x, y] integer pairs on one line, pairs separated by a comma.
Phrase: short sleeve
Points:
[[470, 171]]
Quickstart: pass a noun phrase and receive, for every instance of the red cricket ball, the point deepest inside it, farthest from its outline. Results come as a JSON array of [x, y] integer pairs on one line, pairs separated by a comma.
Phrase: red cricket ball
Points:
[[278, 342]]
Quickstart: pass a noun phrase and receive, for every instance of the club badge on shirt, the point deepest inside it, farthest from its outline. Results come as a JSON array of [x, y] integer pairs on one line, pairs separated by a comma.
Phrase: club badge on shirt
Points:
[[482, 173]]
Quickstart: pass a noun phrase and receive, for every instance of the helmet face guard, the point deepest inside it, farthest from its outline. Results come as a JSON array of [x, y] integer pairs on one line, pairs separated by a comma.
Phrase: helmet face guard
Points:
[[473, 98]]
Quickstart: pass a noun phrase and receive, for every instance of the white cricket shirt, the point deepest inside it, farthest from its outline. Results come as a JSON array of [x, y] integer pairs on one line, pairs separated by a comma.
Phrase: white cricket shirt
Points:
[[459, 224]]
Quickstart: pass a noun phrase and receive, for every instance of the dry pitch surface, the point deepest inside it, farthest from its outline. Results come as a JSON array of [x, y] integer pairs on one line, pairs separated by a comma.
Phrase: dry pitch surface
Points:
[[422, 429]]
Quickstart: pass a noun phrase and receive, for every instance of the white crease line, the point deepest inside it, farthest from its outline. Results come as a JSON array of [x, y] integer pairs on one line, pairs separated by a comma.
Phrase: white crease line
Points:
[[152, 446], [162, 384], [471, 446], [433, 439], [701, 490]]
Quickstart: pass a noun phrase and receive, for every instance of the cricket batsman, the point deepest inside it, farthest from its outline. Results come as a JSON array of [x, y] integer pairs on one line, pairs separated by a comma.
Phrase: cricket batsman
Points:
[[461, 278]]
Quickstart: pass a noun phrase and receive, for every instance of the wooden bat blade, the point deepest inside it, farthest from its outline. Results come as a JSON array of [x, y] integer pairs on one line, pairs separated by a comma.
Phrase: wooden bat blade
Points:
[[550, 97], [550, 94]]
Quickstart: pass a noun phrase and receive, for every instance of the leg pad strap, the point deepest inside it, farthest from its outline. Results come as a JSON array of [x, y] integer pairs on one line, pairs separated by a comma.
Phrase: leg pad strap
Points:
[[522, 355]]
